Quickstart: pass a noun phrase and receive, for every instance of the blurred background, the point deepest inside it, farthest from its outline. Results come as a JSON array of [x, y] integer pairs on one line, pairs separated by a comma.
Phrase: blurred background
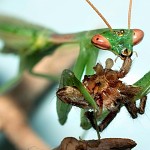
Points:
[[73, 16]]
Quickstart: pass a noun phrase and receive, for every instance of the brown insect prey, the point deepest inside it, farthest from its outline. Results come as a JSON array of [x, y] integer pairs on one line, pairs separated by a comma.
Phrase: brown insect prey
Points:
[[107, 90]]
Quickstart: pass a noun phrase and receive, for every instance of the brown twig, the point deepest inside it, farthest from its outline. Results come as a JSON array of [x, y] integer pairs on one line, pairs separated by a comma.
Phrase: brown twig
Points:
[[13, 123], [71, 143]]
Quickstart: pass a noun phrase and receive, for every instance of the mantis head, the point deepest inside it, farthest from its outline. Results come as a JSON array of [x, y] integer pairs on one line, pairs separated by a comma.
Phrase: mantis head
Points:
[[119, 41]]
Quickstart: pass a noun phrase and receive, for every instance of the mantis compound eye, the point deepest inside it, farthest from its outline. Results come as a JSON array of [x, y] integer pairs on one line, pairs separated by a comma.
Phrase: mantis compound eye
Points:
[[100, 42], [138, 36]]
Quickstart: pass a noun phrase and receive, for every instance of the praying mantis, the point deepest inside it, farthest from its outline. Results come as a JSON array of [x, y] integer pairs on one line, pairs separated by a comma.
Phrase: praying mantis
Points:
[[32, 43], [72, 91]]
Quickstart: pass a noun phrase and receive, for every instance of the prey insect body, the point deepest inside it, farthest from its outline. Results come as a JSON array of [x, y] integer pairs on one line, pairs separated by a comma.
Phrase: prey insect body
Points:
[[108, 91], [118, 41]]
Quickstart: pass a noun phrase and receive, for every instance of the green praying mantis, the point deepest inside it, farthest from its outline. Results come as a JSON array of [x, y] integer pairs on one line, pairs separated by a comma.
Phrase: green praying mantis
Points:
[[72, 91], [32, 43]]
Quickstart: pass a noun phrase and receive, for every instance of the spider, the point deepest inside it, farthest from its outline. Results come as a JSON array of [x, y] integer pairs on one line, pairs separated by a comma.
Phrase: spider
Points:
[[108, 91]]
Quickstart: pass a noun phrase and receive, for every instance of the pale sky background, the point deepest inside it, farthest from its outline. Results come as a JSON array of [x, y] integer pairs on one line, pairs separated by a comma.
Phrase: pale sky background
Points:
[[67, 16]]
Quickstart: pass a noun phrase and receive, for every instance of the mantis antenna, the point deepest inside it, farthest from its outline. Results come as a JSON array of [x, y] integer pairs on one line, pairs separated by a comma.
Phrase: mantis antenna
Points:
[[129, 14], [102, 17]]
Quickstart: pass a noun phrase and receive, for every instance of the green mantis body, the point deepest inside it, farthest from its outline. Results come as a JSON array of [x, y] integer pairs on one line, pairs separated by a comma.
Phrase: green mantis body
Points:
[[31, 43]]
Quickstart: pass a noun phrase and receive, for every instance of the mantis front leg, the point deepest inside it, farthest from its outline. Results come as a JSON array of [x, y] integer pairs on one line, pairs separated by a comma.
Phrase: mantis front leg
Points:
[[86, 60]]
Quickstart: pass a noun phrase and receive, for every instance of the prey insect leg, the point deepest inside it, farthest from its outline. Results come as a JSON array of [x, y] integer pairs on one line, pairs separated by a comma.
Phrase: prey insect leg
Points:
[[111, 115], [108, 119], [90, 116], [134, 110], [142, 105], [125, 67]]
